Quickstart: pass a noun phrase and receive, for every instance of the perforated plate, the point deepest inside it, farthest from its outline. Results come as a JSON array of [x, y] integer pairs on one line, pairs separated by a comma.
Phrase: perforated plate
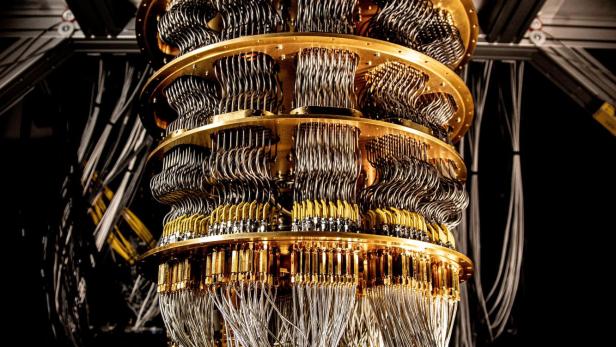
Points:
[[463, 13], [284, 47]]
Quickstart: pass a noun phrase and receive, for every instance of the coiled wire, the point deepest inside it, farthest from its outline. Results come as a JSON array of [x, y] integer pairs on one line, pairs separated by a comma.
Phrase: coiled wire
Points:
[[419, 25], [248, 81], [327, 167], [239, 167], [194, 99], [435, 111], [390, 91], [242, 18], [184, 25], [440, 39], [325, 77], [331, 16]]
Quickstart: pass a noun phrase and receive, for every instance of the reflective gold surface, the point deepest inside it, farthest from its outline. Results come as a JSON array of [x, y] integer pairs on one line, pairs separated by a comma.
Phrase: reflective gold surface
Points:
[[284, 127], [463, 13], [283, 47], [286, 240]]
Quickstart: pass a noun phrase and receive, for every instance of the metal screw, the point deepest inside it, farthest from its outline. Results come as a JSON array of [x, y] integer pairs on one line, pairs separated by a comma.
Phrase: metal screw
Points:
[[68, 16], [66, 29]]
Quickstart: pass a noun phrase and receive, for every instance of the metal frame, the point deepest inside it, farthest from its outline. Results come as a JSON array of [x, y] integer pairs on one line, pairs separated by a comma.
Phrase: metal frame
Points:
[[507, 20], [34, 59]]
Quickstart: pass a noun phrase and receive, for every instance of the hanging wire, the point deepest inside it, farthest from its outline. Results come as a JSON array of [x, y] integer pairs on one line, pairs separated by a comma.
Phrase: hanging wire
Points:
[[185, 24], [480, 89], [496, 306], [463, 331], [502, 295]]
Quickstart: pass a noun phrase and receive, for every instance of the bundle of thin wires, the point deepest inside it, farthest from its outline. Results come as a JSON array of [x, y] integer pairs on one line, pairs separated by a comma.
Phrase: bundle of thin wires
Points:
[[496, 307], [479, 87], [103, 180], [501, 297]]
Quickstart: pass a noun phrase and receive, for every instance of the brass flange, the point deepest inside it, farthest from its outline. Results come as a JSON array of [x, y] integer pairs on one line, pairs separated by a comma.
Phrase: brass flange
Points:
[[283, 47], [284, 128], [327, 245], [463, 13]]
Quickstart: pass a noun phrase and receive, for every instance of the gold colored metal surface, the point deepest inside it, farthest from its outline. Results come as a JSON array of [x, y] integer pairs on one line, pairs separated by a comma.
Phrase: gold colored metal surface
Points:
[[465, 18], [606, 115], [334, 111], [286, 240], [463, 12], [284, 127], [283, 48], [147, 33]]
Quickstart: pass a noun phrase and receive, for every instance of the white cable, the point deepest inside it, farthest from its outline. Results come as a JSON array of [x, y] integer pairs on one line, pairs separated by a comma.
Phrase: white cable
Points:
[[96, 154], [464, 332], [481, 90], [94, 111], [502, 295]]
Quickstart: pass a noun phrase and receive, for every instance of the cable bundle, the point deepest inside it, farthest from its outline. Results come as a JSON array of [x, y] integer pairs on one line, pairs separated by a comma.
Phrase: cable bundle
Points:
[[419, 25], [447, 202], [185, 24], [186, 220], [325, 77], [440, 39], [327, 167], [182, 185], [239, 166], [391, 90], [331, 16], [396, 203], [194, 99], [181, 175], [435, 111], [410, 316], [248, 82], [401, 21], [242, 18]]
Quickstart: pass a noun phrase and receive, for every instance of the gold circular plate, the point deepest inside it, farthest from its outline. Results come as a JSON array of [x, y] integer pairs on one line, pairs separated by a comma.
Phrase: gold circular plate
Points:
[[463, 13], [283, 48], [284, 127], [465, 17], [146, 23], [286, 238]]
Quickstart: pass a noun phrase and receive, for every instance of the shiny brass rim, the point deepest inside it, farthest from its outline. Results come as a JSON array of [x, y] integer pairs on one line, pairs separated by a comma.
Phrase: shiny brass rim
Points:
[[285, 239], [463, 12], [284, 127], [282, 47]]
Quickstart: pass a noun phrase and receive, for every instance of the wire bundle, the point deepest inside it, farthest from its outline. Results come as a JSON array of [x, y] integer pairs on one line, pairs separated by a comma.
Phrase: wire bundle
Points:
[[448, 201], [181, 175], [436, 110], [182, 185], [185, 24], [391, 90], [419, 25], [407, 190], [242, 18], [440, 39], [248, 82], [325, 78], [194, 99], [327, 167], [240, 169], [331, 16], [410, 316]]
